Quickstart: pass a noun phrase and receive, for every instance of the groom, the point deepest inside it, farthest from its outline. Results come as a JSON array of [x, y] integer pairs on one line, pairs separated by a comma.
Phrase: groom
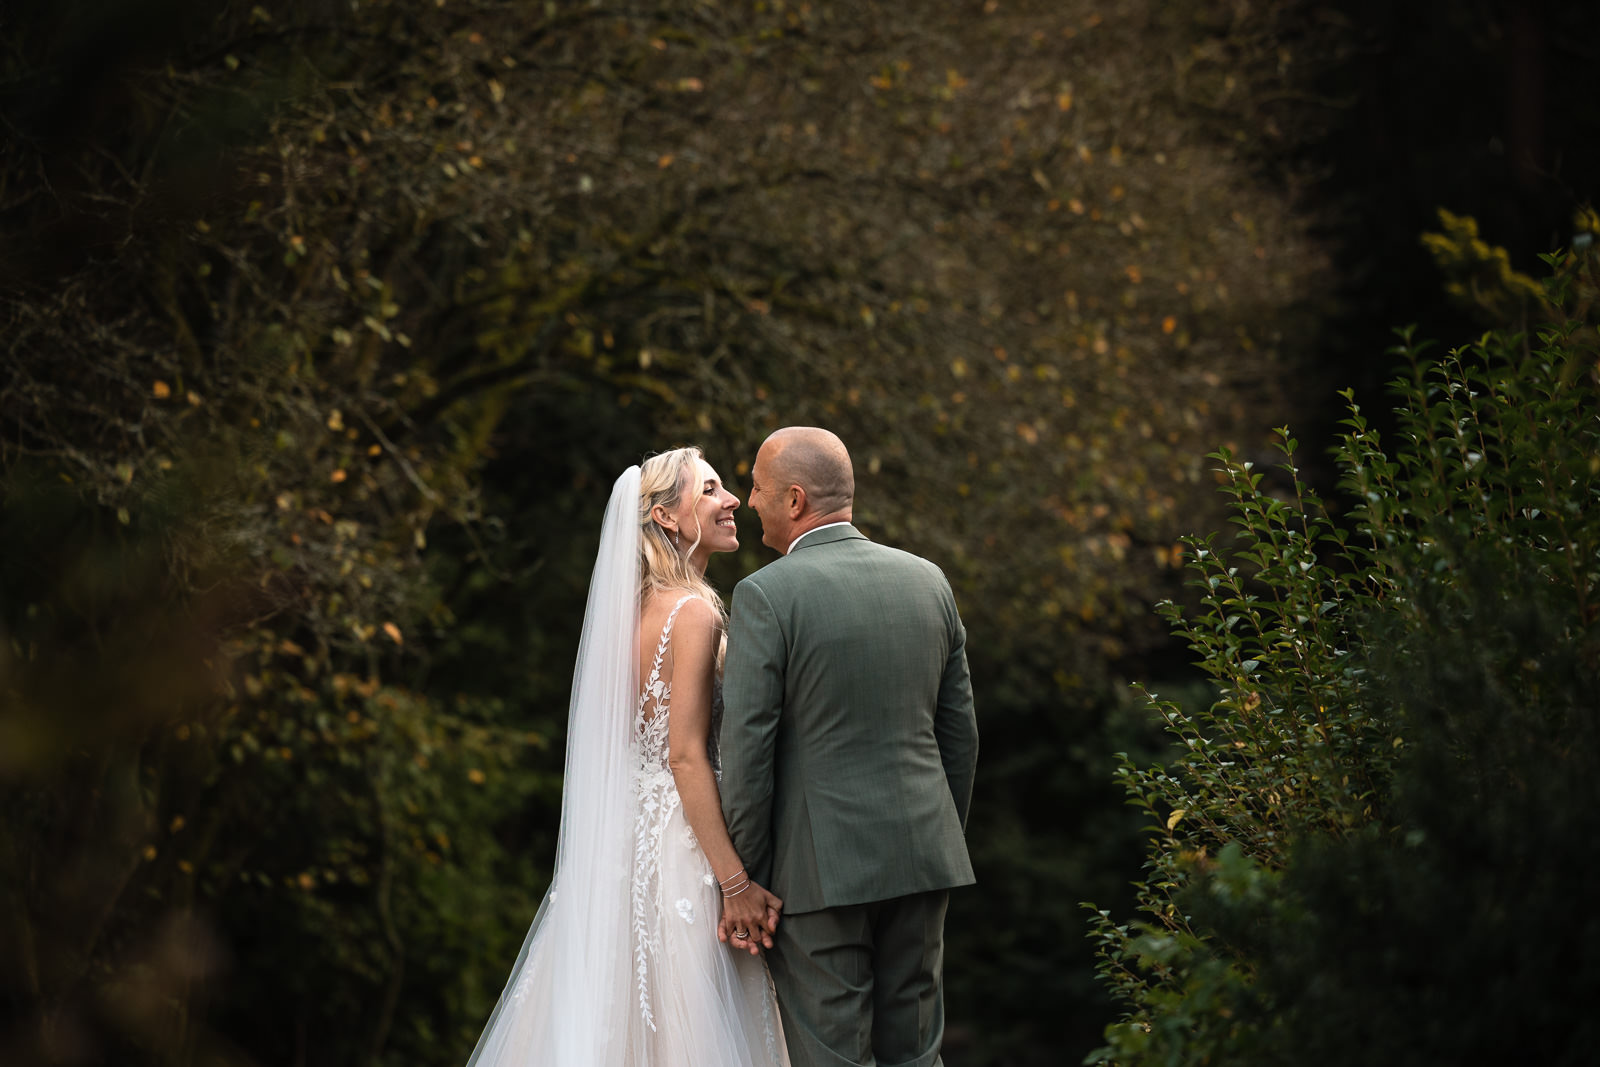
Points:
[[848, 746]]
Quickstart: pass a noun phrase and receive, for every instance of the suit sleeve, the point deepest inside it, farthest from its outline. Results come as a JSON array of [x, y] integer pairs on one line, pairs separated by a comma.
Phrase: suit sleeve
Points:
[[752, 696], [955, 723]]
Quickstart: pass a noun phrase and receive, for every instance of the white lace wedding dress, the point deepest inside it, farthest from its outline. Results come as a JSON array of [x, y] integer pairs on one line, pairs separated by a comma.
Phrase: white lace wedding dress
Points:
[[622, 966], [700, 1003]]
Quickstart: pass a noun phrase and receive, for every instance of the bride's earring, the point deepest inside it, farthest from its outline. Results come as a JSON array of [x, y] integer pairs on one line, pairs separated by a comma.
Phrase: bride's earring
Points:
[[675, 542]]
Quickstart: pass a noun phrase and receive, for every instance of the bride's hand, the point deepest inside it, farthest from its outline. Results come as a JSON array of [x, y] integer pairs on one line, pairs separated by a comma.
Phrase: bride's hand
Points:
[[753, 912]]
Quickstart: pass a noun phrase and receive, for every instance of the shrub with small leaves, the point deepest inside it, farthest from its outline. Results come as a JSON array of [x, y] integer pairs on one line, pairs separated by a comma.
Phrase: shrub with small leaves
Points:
[[1359, 845]]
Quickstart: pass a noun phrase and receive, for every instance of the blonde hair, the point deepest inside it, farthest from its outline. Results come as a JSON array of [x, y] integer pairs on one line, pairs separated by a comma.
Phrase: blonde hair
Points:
[[664, 480]]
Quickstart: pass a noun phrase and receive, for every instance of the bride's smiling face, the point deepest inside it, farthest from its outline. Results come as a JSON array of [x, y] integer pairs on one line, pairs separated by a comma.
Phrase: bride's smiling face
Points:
[[707, 510]]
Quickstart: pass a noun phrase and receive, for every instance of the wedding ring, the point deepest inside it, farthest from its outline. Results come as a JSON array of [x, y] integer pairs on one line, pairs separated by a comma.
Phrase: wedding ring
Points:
[[742, 936]]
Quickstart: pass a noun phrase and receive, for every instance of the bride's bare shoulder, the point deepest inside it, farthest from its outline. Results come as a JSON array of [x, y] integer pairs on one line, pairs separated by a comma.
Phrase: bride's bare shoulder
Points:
[[689, 611]]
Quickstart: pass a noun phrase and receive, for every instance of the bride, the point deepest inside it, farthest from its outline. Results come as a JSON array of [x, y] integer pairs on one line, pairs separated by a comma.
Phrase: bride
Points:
[[622, 966]]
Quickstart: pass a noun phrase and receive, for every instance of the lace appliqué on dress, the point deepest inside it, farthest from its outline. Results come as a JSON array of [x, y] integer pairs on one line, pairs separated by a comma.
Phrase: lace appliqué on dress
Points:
[[658, 798]]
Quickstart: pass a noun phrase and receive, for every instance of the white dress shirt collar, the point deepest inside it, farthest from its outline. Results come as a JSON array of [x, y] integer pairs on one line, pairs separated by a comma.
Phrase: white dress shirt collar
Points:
[[814, 529]]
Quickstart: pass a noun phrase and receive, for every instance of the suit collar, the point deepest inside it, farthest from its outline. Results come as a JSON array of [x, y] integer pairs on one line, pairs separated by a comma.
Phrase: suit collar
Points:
[[843, 532]]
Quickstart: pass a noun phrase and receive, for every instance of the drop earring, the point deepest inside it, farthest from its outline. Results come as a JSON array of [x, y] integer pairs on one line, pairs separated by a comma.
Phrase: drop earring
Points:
[[675, 542]]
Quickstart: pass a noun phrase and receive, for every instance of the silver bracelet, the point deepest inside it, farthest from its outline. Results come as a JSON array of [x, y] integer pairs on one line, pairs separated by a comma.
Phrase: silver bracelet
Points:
[[736, 892]]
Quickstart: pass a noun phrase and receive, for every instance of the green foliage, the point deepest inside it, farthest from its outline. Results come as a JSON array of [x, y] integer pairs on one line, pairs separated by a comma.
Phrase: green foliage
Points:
[[1353, 852]]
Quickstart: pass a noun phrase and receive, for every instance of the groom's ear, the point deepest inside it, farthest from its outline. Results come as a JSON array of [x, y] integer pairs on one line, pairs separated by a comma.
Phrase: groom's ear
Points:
[[797, 501]]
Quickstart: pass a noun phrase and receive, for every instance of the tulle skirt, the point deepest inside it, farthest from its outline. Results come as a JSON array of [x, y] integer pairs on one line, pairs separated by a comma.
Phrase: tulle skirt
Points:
[[710, 1004], [684, 1000]]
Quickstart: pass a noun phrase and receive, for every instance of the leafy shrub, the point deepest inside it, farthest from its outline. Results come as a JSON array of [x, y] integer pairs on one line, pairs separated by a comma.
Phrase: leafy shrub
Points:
[[1362, 845]]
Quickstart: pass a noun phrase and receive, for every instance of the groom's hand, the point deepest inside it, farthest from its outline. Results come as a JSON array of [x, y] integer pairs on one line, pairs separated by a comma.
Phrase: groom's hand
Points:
[[753, 913]]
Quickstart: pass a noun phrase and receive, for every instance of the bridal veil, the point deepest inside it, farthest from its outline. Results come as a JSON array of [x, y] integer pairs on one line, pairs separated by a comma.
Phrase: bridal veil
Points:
[[572, 983]]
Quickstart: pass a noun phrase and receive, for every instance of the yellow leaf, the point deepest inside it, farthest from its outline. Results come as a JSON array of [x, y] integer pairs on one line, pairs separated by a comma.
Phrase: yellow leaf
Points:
[[337, 476], [160, 390], [664, 161], [394, 633], [1176, 817]]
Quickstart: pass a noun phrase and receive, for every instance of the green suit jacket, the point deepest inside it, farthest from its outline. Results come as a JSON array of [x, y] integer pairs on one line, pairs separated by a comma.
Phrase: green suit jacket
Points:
[[848, 738]]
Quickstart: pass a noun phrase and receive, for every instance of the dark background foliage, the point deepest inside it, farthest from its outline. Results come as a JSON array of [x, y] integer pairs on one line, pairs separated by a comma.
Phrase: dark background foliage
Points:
[[326, 327]]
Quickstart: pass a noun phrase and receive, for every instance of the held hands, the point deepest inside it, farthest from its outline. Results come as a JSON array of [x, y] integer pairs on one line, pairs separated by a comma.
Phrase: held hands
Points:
[[749, 915]]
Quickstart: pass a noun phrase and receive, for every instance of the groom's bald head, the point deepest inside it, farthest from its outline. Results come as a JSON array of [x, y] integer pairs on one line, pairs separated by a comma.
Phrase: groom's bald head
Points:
[[801, 480], [817, 461]]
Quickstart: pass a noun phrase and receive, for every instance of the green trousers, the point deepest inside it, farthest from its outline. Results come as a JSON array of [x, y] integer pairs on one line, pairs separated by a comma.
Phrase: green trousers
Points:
[[863, 985]]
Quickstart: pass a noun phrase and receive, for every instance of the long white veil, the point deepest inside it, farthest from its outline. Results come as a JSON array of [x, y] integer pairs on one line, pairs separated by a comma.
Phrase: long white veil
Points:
[[572, 981]]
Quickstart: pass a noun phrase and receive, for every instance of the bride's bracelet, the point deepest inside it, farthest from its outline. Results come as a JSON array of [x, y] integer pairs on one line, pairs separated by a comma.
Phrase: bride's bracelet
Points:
[[742, 887], [734, 877]]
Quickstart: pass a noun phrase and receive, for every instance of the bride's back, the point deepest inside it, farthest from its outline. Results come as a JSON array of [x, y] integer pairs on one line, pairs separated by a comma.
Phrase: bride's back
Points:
[[659, 606]]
